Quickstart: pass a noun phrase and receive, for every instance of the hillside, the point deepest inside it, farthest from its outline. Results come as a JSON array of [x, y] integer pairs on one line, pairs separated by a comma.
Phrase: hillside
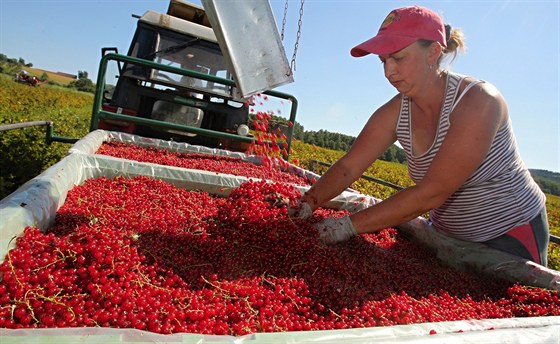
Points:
[[548, 181], [552, 176], [58, 77]]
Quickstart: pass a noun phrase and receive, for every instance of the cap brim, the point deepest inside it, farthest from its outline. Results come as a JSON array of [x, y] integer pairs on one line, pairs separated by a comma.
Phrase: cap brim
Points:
[[381, 45]]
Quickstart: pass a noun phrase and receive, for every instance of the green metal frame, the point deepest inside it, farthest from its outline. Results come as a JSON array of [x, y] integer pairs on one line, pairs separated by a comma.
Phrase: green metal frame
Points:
[[98, 113], [49, 132]]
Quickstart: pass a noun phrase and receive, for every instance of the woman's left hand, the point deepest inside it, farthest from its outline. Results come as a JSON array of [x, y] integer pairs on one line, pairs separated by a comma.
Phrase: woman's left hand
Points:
[[301, 210]]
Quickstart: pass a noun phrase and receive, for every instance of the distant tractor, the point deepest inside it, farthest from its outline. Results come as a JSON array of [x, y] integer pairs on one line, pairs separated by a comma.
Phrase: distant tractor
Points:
[[23, 77]]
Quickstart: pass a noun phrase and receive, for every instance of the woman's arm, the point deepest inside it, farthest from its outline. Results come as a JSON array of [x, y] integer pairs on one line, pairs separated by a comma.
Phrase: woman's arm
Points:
[[473, 127], [374, 139]]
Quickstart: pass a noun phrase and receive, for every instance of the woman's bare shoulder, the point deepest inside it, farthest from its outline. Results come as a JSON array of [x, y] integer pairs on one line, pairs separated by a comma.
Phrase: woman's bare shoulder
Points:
[[484, 97], [483, 88]]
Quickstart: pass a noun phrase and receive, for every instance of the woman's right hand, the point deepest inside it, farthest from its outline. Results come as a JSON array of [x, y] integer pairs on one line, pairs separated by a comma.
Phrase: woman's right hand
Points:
[[334, 230]]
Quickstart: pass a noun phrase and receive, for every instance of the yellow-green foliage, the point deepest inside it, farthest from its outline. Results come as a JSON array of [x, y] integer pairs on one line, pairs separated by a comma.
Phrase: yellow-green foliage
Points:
[[25, 153], [394, 173], [553, 213]]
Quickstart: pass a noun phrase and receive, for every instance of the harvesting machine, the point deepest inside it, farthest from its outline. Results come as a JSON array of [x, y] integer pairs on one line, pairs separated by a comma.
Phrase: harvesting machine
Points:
[[190, 75], [177, 82], [185, 85], [24, 78]]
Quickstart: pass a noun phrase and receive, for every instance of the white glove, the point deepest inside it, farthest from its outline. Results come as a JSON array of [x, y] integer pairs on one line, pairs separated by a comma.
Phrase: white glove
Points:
[[302, 210], [334, 230]]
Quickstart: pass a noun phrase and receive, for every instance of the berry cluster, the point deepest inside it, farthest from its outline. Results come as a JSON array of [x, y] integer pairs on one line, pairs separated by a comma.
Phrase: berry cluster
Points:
[[141, 253], [222, 164]]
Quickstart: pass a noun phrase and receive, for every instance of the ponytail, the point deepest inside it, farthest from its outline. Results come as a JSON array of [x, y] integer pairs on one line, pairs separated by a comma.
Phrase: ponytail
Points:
[[455, 42]]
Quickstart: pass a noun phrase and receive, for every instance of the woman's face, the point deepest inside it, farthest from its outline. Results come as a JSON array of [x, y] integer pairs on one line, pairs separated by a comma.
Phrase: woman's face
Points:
[[407, 68]]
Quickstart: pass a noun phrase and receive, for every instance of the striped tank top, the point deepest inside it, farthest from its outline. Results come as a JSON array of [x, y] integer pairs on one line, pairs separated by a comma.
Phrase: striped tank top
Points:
[[500, 195]]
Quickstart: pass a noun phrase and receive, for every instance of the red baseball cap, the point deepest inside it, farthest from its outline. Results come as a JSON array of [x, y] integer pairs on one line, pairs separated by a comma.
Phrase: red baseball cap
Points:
[[402, 27]]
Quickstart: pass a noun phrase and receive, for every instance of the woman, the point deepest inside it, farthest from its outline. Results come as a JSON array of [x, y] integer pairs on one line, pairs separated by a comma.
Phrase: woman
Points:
[[457, 135]]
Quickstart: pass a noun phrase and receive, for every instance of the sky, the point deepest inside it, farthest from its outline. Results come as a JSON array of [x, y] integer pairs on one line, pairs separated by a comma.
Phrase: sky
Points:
[[513, 44]]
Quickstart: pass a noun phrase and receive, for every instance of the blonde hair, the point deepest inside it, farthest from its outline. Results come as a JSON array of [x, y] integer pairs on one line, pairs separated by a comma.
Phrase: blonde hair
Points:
[[455, 40]]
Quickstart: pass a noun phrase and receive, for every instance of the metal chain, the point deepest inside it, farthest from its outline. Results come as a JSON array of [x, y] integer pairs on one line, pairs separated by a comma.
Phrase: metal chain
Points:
[[293, 64], [284, 20]]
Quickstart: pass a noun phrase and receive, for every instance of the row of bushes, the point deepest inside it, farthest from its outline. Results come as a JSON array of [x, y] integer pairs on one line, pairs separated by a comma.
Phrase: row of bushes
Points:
[[25, 151]]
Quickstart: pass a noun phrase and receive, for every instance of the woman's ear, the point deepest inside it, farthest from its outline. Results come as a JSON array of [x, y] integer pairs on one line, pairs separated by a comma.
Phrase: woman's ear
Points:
[[435, 51]]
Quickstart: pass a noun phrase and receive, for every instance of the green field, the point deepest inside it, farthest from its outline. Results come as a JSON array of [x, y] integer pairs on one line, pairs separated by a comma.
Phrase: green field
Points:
[[27, 154]]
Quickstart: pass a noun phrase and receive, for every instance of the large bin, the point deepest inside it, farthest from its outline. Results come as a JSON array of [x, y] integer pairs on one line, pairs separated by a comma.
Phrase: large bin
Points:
[[37, 201]]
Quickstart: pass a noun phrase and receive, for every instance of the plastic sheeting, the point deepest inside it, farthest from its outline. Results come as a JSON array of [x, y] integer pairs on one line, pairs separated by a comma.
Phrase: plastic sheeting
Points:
[[480, 259], [350, 199], [528, 330], [36, 203]]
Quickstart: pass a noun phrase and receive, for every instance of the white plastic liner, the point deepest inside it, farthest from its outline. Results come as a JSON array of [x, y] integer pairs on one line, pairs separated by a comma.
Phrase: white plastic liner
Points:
[[90, 143], [350, 199], [36, 203], [480, 259], [545, 330]]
